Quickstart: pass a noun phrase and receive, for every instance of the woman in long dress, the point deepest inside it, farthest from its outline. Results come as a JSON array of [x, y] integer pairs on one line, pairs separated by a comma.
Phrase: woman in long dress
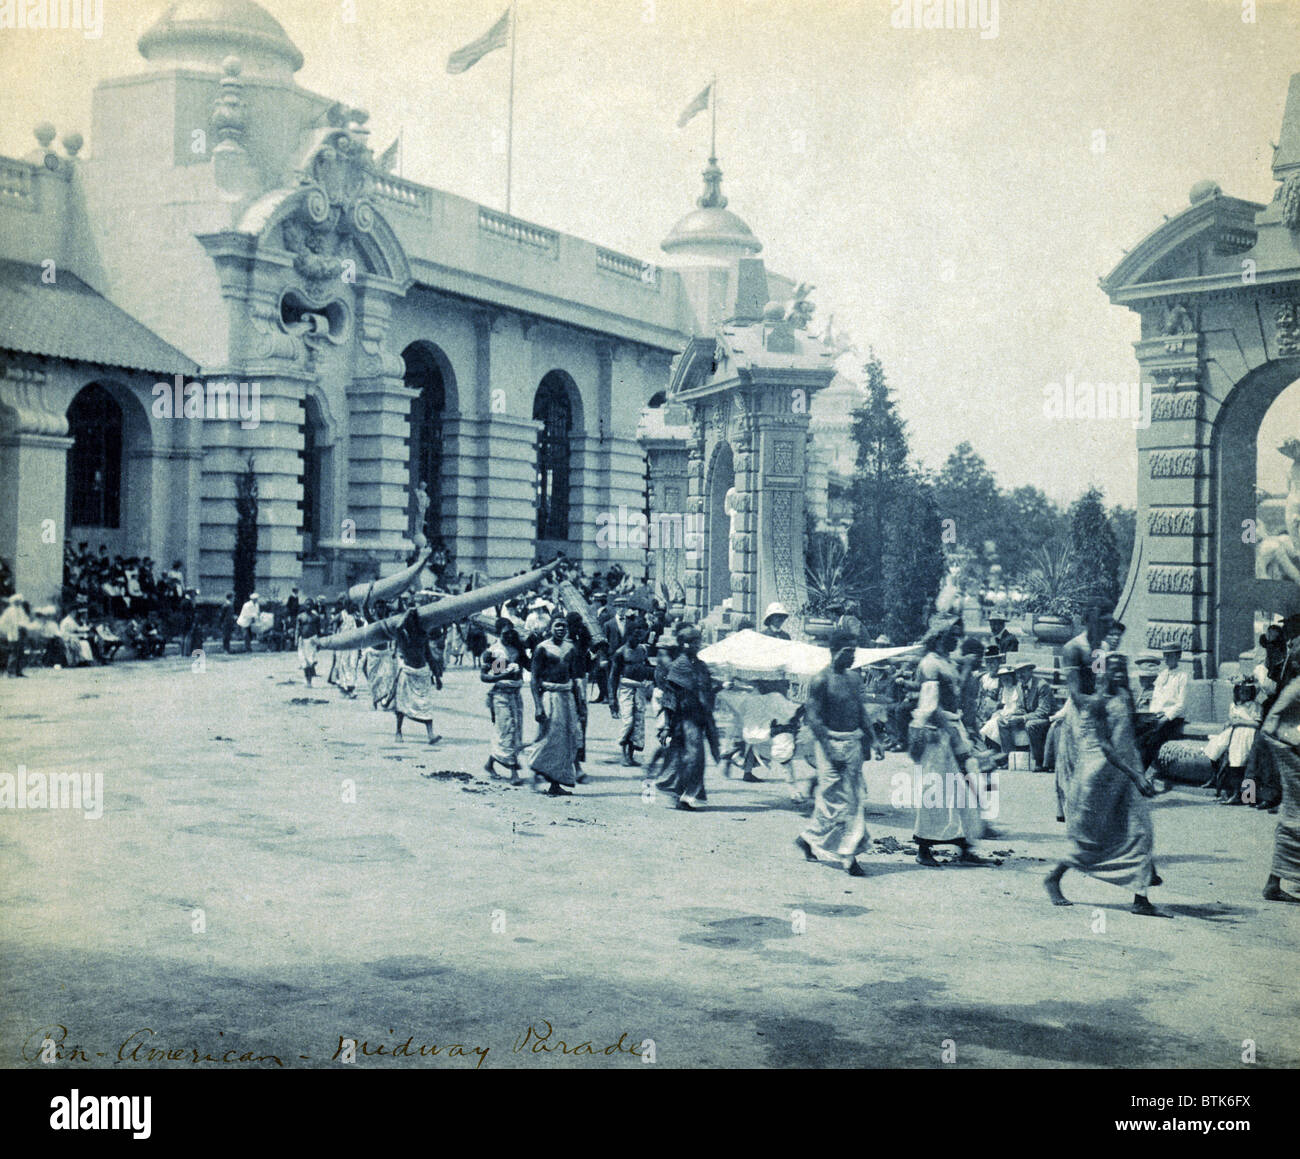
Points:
[[946, 770], [1108, 822], [1280, 733]]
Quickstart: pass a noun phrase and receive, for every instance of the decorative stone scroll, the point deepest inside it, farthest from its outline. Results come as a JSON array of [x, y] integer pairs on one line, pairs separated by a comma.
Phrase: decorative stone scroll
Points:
[[1287, 317], [1160, 633], [1176, 464], [1176, 521], [1171, 579], [1170, 407]]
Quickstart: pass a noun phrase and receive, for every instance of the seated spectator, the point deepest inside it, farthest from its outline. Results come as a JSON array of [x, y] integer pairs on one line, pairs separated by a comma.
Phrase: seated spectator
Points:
[[76, 638], [104, 643], [1164, 719], [1230, 749], [1032, 714], [174, 580]]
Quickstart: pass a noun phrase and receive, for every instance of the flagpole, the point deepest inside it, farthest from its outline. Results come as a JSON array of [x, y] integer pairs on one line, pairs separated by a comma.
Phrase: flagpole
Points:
[[713, 109], [510, 119], [401, 150]]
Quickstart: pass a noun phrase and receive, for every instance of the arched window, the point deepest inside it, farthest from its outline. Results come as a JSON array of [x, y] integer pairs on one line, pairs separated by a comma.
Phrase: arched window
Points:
[[552, 409], [95, 461], [313, 477], [424, 373]]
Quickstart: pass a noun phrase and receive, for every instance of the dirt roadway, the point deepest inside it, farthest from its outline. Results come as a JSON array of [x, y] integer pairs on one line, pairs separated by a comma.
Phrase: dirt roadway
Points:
[[445, 912]]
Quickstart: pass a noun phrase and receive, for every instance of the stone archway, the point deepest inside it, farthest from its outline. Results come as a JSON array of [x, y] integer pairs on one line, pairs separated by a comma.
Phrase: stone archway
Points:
[[430, 376], [109, 492], [557, 406], [721, 483], [1240, 591], [1218, 291]]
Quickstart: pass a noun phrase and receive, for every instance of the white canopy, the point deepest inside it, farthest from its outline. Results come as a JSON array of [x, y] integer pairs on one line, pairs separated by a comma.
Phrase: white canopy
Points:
[[749, 655]]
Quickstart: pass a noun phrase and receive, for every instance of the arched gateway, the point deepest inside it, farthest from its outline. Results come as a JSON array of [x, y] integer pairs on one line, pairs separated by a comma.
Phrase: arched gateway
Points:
[[1218, 291]]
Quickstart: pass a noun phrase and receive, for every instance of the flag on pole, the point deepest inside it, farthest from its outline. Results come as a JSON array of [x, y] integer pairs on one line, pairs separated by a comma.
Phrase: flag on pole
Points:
[[698, 105], [388, 158], [495, 37]]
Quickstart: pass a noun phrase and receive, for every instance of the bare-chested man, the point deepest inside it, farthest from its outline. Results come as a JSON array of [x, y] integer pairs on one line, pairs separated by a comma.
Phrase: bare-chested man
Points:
[[837, 715], [554, 754]]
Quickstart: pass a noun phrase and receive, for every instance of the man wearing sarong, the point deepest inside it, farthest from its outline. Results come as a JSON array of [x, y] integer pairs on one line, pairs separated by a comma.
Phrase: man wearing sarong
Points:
[[553, 755], [343, 668], [631, 678], [837, 715], [502, 672], [413, 691], [687, 694], [379, 661], [1108, 821], [947, 771], [1077, 659], [1280, 733], [309, 626]]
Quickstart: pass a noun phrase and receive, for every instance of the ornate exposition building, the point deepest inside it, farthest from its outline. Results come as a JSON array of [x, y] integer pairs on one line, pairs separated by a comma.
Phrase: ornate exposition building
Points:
[[227, 275]]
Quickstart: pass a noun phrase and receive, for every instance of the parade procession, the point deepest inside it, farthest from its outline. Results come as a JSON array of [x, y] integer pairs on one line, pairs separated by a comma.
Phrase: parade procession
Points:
[[470, 599]]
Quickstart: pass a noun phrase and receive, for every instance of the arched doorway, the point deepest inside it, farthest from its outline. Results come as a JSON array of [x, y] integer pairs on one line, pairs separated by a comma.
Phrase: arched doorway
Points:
[[717, 562], [316, 478], [553, 407], [97, 428], [1241, 439], [429, 372]]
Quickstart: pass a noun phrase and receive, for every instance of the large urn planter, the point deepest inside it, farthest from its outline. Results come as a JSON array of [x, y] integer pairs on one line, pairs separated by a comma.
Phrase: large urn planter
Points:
[[818, 629], [1052, 629]]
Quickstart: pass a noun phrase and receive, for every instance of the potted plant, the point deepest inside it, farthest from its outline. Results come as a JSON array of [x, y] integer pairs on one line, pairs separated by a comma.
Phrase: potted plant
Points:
[[1052, 592], [832, 586]]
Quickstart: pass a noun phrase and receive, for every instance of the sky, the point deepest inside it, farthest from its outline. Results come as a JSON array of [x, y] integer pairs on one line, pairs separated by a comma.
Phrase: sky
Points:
[[953, 196]]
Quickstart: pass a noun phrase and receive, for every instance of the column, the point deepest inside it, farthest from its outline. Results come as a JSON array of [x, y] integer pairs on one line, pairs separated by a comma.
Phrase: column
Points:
[[33, 480]]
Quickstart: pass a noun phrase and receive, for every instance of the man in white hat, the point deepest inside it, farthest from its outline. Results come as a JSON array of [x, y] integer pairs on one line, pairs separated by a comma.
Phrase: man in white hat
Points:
[[13, 631], [247, 618], [1163, 720], [1008, 704], [539, 618], [774, 621]]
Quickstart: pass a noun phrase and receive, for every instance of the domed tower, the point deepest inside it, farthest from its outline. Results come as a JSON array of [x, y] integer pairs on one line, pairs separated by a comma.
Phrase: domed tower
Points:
[[715, 254], [200, 34], [711, 234]]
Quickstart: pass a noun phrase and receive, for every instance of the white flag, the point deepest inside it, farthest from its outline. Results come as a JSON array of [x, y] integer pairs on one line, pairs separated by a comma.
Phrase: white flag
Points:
[[498, 36], [698, 105]]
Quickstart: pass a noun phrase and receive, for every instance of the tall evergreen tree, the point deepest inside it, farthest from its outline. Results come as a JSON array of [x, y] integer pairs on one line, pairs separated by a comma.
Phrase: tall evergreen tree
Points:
[[968, 494], [914, 559], [1094, 552], [1030, 519], [245, 554], [882, 474]]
